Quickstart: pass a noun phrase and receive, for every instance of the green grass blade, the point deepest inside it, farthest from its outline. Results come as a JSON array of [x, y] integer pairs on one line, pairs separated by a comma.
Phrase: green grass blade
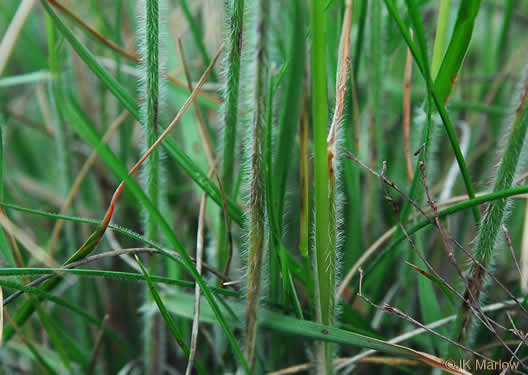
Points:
[[5, 249], [324, 289], [457, 49], [291, 109], [230, 118], [24, 79], [440, 37], [197, 36], [181, 304]]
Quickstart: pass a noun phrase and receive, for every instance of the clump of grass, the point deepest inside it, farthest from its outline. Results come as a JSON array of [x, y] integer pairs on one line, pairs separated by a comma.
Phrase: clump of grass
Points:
[[274, 122]]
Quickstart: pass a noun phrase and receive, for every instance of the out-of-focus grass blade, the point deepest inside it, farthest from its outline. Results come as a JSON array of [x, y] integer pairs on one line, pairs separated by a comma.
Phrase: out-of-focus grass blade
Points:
[[1, 314], [41, 294], [24, 79], [130, 104], [55, 339], [457, 49], [122, 96], [5, 249], [43, 360], [197, 35]]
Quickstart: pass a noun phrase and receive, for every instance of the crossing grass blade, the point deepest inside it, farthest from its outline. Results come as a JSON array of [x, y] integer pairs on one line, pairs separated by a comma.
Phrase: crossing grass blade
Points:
[[181, 304]]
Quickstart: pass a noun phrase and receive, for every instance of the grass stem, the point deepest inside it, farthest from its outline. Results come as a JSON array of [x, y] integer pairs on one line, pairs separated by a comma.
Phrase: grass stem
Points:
[[257, 208]]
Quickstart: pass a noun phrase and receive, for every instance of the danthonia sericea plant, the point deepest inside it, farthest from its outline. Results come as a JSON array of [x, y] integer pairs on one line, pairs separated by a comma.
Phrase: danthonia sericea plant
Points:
[[260, 198]]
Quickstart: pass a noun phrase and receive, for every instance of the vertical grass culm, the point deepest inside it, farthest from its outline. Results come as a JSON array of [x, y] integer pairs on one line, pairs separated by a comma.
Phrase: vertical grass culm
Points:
[[323, 289], [487, 240], [257, 209], [235, 20], [326, 176], [149, 29]]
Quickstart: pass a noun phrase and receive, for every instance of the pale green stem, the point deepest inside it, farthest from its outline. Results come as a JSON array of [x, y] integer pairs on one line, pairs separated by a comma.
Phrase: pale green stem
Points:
[[440, 37]]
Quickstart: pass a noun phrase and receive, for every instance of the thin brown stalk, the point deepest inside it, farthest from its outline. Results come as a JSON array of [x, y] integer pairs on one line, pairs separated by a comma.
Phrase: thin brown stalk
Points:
[[130, 55], [13, 244], [199, 257], [472, 304], [402, 315], [98, 345], [13, 31], [212, 159], [27, 121], [342, 74], [200, 241], [113, 46], [391, 361], [418, 331], [180, 113], [469, 299], [380, 241], [510, 247], [207, 143], [355, 106], [26, 241]]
